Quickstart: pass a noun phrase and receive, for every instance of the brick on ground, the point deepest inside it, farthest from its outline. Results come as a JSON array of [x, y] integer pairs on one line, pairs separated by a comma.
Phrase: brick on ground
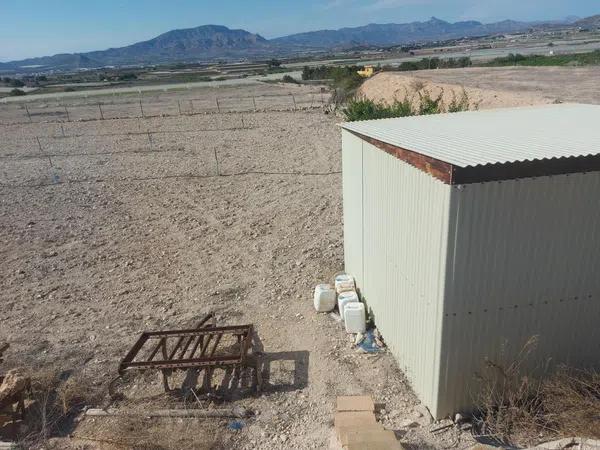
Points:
[[355, 403]]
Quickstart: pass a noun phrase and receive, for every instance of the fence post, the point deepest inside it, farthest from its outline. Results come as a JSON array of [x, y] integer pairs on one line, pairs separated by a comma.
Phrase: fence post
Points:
[[149, 139], [294, 100], [62, 129], [191, 106], [242, 116], [28, 115], [179, 105], [254, 102], [101, 113], [217, 163], [67, 113], [39, 144], [218, 107], [141, 108]]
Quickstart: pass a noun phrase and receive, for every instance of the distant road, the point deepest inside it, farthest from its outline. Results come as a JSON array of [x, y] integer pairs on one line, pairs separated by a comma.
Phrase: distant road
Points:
[[254, 79]]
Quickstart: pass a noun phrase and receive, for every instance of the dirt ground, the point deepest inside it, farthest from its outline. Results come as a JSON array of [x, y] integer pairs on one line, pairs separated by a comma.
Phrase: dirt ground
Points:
[[489, 88], [107, 231]]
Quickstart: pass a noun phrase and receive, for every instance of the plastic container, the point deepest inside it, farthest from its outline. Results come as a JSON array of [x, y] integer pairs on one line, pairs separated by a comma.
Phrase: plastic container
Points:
[[344, 299], [344, 283], [355, 318], [324, 298]]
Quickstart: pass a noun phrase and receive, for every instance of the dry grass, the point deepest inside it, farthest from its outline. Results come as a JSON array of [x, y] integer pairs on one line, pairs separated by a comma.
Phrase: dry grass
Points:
[[518, 408], [55, 400]]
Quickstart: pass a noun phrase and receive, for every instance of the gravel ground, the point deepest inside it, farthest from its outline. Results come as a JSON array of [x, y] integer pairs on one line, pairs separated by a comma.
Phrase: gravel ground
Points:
[[107, 234]]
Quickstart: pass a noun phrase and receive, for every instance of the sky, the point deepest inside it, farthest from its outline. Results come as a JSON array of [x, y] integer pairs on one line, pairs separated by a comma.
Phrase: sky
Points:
[[46, 27]]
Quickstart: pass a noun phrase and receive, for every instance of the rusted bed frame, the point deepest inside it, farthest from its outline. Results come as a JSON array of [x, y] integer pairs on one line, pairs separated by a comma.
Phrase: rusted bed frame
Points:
[[195, 348]]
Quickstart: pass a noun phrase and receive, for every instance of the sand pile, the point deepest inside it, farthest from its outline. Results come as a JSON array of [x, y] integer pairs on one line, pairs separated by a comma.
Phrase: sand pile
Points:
[[390, 86]]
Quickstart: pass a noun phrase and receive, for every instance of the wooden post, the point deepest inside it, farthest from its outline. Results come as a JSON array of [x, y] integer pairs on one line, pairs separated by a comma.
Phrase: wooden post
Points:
[[28, 115], [254, 102], [67, 113], [217, 163], [242, 116], [191, 106], [294, 100], [101, 113], [179, 105], [218, 107], [150, 139], [39, 144], [142, 108], [62, 129]]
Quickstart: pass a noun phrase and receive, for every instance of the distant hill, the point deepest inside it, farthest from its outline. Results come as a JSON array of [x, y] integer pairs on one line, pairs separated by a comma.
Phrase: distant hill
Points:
[[210, 42], [204, 42], [592, 22], [392, 34]]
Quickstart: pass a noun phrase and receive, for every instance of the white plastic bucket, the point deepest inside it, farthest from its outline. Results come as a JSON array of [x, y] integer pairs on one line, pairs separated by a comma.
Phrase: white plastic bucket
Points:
[[355, 318], [324, 298], [344, 283], [346, 298]]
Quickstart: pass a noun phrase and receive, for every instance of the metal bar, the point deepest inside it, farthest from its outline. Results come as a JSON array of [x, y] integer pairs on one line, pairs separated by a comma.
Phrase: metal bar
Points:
[[217, 163], [183, 363], [243, 329], [214, 349], [134, 350], [205, 346], [155, 351], [179, 342], [199, 341], [191, 339]]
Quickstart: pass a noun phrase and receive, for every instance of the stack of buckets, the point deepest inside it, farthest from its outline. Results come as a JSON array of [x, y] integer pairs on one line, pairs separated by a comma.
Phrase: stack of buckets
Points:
[[351, 310]]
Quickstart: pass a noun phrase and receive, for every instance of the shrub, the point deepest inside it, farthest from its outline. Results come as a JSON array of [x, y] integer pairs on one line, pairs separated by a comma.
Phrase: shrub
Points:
[[17, 92], [289, 79], [516, 407], [364, 109], [429, 105]]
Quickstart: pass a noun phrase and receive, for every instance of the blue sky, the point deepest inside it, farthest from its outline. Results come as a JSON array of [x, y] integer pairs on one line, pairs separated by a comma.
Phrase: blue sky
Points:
[[44, 27]]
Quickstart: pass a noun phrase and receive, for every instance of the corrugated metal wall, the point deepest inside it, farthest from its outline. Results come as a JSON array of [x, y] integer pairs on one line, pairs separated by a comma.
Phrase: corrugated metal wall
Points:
[[523, 260], [455, 275], [398, 254], [352, 184]]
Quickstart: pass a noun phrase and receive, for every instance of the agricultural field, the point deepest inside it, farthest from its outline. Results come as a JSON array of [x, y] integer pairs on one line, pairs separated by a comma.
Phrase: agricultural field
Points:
[[113, 226]]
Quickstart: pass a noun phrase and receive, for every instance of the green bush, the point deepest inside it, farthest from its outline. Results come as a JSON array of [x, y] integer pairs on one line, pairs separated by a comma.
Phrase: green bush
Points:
[[365, 109], [16, 93]]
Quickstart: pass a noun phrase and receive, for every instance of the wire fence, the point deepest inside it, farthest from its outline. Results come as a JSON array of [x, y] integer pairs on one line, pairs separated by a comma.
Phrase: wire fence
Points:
[[109, 110], [72, 154]]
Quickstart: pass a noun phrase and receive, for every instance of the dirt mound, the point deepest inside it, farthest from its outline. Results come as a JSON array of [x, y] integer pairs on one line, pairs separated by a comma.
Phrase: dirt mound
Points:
[[389, 86]]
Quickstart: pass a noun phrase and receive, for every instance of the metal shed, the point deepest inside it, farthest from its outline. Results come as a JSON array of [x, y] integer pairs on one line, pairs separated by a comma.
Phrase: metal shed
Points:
[[469, 233]]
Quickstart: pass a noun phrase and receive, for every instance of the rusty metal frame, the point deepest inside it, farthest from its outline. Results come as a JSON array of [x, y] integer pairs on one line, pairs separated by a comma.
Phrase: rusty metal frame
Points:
[[195, 348], [179, 357]]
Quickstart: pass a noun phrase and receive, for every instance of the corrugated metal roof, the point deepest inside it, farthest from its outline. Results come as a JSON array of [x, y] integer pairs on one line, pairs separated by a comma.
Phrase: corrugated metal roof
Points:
[[508, 135]]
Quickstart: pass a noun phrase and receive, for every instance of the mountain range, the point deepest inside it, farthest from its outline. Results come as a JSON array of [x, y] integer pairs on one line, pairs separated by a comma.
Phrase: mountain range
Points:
[[211, 42]]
